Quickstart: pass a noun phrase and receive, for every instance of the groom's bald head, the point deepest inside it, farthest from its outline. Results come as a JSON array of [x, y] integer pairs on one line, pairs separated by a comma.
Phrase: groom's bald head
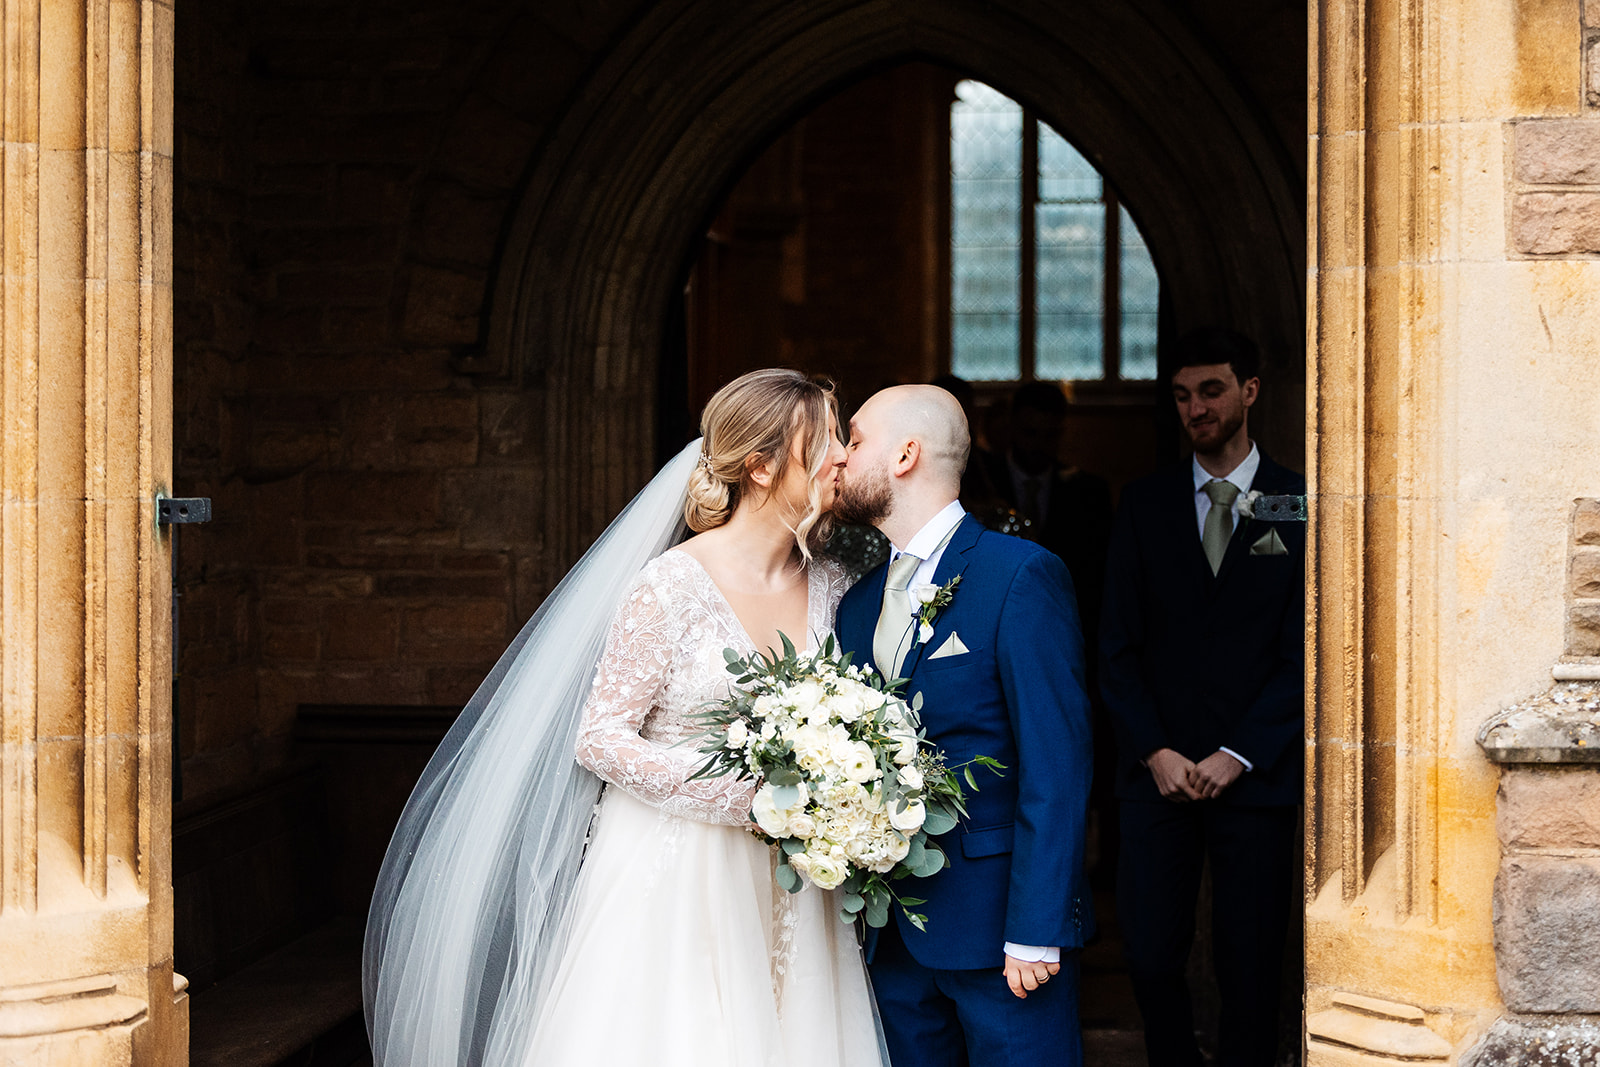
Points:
[[929, 416]]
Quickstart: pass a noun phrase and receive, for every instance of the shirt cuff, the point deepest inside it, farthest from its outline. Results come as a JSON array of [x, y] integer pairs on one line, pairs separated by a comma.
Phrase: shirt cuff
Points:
[[1248, 766], [1033, 953]]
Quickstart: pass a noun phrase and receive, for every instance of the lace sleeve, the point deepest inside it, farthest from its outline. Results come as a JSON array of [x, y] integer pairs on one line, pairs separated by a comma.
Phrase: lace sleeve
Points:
[[645, 636], [836, 583]]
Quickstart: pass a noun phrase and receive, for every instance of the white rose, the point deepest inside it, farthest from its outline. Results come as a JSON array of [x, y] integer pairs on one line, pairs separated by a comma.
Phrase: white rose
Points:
[[862, 766], [827, 872], [801, 862], [812, 746], [738, 734], [802, 826], [909, 819], [910, 777], [805, 697], [772, 819], [898, 848], [907, 747], [924, 594], [848, 706], [765, 707]]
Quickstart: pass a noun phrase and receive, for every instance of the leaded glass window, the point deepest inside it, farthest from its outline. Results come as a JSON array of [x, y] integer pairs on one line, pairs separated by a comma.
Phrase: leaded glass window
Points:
[[1050, 278]]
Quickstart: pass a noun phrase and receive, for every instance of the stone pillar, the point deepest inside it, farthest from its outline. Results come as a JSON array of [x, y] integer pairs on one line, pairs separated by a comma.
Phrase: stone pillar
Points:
[[1443, 458], [85, 389]]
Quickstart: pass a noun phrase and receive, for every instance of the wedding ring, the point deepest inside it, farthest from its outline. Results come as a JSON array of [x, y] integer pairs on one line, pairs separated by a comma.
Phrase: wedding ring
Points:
[[1043, 978]]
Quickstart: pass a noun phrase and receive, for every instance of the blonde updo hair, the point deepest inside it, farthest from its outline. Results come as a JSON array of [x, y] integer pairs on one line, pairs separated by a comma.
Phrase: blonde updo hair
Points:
[[755, 419]]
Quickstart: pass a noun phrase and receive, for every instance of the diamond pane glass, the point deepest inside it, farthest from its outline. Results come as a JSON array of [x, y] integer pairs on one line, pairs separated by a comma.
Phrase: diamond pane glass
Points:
[[985, 213], [1064, 175], [1070, 231], [1141, 292]]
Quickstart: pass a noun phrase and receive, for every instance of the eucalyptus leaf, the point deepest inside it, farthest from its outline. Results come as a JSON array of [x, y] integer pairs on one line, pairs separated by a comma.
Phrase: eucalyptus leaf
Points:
[[788, 877], [877, 910], [938, 822], [854, 902], [792, 846], [784, 796]]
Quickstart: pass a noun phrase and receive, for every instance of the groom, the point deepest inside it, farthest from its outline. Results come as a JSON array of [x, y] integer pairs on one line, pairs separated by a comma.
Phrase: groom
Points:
[[993, 981]]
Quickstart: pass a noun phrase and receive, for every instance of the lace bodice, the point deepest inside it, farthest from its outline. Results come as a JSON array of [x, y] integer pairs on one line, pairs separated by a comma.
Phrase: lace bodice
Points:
[[663, 663]]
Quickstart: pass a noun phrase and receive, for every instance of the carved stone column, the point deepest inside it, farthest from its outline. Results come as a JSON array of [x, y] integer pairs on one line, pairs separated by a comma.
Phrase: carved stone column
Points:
[[1442, 465], [85, 405]]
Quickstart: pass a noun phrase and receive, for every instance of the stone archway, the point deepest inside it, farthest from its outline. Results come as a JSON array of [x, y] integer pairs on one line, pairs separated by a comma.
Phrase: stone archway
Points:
[[666, 123]]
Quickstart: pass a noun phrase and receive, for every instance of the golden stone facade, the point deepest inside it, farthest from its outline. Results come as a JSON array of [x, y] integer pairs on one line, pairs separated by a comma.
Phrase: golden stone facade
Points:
[[1453, 336]]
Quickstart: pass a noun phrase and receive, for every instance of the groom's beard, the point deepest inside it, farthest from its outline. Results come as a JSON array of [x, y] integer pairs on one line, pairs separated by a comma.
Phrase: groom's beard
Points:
[[863, 499]]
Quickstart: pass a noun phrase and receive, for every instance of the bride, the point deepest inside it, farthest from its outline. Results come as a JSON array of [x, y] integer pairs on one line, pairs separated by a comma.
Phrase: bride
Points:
[[518, 922]]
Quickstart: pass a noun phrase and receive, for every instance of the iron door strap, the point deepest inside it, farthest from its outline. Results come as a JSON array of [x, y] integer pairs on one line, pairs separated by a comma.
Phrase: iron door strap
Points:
[[1279, 509], [175, 510]]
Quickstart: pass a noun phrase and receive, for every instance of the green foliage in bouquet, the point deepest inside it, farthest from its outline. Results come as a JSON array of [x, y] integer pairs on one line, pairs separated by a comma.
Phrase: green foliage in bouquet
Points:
[[852, 793]]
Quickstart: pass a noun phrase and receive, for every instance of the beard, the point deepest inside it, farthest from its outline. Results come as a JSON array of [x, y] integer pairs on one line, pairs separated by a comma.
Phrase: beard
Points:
[[1210, 438], [863, 499]]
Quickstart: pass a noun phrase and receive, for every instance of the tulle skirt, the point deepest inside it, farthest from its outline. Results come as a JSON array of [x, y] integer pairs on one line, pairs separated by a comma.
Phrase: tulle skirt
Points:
[[684, 951]]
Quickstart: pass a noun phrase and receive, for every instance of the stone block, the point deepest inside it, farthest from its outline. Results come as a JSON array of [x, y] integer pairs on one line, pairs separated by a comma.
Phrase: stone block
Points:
[[361, 630], [1545, 224], [1562, 151], [443, 307], [1583, 573], [494, 509], [1586, 522], [1549, 807], [1546, 940], [1591, 94], [460, 227], [1573, 1042], [1583, 628], [370, 496], [512, 428]]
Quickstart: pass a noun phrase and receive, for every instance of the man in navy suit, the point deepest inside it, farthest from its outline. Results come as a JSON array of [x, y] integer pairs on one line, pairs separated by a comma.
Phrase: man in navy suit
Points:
[[1202, 668], [992, 981]]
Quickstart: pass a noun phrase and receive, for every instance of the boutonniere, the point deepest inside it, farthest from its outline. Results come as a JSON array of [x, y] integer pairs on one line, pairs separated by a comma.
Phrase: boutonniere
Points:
[[1245, 503], [931, 599]]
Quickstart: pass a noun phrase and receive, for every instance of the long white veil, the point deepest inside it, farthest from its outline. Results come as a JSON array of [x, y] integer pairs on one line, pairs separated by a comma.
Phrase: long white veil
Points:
[[468, 916]]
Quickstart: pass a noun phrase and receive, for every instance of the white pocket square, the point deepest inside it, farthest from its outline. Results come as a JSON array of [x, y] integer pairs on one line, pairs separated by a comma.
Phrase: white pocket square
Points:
[[952, 646]]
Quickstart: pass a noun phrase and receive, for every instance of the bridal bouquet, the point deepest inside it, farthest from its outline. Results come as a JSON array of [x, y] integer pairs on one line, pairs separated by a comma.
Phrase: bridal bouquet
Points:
[[851, 791]]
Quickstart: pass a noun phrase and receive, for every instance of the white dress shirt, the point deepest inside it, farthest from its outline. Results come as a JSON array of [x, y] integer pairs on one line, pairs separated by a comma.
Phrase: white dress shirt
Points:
[[1242, 476], [928, 544]]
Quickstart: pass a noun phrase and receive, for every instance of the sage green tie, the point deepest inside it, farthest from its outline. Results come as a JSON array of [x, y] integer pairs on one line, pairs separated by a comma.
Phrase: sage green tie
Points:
[[1219, 521], [892, 639]]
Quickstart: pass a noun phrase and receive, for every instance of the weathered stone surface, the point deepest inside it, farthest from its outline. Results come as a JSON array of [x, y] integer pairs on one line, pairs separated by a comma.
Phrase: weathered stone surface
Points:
[[1561, 725], [1586, 521], [1549, 807], [1561, 151], [1583, 628], [1551, 1041], [1556, 223], [1546, 939], [1584, 573]]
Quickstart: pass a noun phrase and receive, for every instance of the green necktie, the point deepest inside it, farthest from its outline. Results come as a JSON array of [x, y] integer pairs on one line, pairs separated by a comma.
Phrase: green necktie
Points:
[[891, 640], [1219, 521]]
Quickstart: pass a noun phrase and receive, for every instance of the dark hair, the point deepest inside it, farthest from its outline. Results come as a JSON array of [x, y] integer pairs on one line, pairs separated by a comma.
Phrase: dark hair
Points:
[[1217, 344], [1046, 398]]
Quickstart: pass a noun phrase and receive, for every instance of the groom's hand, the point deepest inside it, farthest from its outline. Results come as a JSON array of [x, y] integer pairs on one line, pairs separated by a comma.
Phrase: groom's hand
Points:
[[1172, 772], [1024, 978], [1214, 774]]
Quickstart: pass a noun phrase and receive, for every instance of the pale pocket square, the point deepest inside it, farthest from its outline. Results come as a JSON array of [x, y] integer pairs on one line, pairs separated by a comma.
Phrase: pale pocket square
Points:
[[952, 646], [1269, 544]]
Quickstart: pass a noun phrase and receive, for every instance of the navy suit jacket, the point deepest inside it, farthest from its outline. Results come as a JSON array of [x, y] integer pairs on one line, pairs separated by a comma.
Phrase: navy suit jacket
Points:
[[1195, 662], [1017, 694]]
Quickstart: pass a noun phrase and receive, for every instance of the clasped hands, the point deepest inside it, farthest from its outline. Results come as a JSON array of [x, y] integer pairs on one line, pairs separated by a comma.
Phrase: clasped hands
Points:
[[1180, 779]]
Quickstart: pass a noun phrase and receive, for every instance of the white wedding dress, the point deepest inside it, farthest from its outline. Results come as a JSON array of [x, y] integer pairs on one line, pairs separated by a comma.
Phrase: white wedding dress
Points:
[[682, 949]]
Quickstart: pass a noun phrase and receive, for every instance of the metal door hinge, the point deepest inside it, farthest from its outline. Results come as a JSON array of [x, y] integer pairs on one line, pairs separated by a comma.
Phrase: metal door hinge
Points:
[[173, 510], [1279, 509]]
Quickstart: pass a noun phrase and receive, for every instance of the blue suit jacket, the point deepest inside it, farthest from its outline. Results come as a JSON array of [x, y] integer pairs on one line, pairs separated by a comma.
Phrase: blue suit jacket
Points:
[[1017, 694]]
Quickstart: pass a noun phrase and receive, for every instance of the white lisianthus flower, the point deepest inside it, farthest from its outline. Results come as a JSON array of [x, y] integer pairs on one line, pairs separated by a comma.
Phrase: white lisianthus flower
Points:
[[910, 777], [765, 706], [772, 819], [848, 706], [909, 819], [738, 734], [806, 698], [924, 594], [924, 633]]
